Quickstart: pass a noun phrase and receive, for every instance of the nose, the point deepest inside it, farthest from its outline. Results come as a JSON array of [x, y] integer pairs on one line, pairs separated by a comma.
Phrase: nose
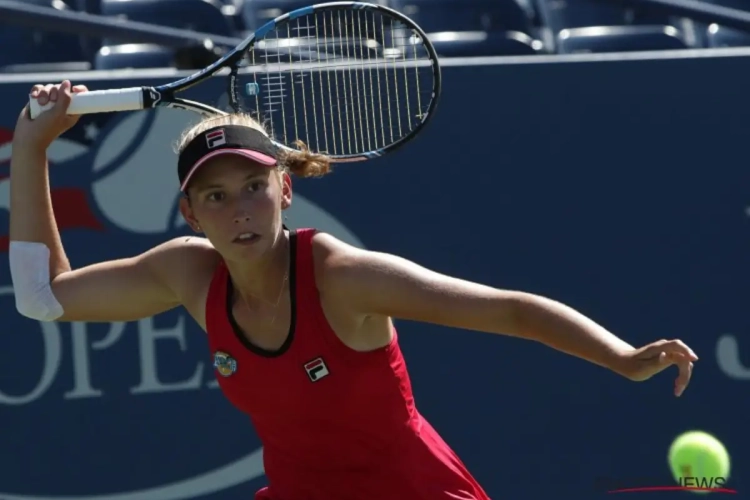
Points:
[[243, 207]]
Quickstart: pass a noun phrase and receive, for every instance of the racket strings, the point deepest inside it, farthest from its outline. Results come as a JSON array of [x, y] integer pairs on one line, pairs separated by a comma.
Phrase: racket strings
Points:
[[345, 82]]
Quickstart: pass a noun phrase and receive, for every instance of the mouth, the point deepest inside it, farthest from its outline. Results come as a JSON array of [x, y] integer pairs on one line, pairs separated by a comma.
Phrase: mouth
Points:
[[246, 238]]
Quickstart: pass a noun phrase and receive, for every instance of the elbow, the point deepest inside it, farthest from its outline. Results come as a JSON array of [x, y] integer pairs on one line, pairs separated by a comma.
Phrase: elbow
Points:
[[514, 312], [526, 316], [32, 289], [28, 310], [41, 306]]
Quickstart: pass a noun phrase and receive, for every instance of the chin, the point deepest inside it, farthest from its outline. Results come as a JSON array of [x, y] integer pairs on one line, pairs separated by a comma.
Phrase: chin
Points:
[[255, 249]]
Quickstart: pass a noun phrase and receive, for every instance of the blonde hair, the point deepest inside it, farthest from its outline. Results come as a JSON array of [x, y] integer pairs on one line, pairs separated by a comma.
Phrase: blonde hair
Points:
[[302, 163]]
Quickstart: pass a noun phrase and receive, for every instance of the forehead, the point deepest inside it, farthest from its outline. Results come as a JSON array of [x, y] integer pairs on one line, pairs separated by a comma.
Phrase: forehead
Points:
[[228, 166]]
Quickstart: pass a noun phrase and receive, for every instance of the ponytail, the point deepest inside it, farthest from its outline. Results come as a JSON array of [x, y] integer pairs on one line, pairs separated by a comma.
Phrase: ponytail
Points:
[[304, 163]]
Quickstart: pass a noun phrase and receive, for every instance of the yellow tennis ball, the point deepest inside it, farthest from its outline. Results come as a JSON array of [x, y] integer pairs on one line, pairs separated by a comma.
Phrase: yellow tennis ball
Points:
[[698, 459]]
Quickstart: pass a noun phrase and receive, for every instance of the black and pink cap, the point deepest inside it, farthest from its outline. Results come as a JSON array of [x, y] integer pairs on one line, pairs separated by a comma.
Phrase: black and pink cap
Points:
[[224, 139]]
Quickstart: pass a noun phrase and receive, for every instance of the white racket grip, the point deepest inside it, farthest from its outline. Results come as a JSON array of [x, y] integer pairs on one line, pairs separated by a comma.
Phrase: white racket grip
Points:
[[97, 101]]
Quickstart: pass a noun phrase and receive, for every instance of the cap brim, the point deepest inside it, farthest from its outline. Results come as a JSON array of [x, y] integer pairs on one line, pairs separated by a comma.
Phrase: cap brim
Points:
[[261, 158]]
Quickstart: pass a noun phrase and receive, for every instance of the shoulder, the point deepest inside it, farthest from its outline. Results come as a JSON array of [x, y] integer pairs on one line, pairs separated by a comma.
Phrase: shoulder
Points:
[[332, 254], [184, 262], [187, 250], [340, 266]]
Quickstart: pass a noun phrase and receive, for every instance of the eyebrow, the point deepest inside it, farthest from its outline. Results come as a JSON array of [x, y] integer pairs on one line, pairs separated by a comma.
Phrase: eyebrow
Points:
[[206, 187]]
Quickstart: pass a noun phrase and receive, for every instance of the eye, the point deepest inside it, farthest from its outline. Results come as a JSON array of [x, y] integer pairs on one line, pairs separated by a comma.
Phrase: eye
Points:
[[255, 185], [215, 196]]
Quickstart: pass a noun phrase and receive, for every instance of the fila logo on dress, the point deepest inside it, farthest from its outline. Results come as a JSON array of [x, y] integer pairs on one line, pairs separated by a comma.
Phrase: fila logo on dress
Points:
[[316, 369]]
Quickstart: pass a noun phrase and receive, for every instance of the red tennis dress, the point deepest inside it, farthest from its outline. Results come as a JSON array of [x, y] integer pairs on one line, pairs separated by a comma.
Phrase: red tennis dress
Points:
[[335, 424]]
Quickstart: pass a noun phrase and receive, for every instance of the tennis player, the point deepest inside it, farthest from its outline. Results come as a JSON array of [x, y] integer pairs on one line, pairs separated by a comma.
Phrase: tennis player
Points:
[[299, 323]]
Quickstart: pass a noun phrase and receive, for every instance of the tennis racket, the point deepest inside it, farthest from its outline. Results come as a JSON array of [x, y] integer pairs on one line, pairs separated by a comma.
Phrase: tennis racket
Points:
[[351, 80]]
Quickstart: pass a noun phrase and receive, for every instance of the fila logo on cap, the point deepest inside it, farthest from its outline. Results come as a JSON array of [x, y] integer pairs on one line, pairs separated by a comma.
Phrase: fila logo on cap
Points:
[[316, 369], [216, 138]]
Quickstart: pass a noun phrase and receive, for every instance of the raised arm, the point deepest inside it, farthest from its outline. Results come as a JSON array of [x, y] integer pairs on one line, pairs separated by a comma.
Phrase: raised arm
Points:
[[45, 286], [31, 215]]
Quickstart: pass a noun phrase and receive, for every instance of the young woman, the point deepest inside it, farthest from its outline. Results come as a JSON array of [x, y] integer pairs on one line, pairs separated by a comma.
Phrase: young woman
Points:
[[296, 320]]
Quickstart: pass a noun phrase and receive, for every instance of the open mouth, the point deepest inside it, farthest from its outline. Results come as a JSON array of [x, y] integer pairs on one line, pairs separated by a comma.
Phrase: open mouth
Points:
[[247, 238]]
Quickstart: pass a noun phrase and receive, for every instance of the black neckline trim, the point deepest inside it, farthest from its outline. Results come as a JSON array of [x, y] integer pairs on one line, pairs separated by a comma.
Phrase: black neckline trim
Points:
[[293, 301]]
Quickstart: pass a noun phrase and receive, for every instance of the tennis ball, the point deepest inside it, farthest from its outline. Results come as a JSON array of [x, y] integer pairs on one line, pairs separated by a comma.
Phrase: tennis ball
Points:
[[699, 459]]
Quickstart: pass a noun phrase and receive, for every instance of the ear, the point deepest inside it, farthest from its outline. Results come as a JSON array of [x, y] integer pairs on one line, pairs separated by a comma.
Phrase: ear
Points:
[[286, 191], [187, 213]]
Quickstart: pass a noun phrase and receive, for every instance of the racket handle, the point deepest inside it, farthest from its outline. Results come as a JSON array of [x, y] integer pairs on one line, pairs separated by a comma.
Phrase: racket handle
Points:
[[97, 101]]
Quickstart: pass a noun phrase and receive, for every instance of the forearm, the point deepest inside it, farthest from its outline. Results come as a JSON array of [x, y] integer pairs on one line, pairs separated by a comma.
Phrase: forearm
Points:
[[32, 217], [563, 328]]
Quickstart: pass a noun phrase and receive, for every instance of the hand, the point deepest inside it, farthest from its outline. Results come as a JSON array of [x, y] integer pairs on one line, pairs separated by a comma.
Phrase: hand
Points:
[[38, 134], [644, 363]]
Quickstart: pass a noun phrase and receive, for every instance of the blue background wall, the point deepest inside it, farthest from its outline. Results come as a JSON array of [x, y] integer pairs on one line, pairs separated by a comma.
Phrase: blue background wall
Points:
[[618, 187]]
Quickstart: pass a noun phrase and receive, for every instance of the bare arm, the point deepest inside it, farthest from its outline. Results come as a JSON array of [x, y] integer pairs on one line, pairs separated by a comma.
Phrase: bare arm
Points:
[[132, 288], [31, 215], [119, 290], [374, 283]]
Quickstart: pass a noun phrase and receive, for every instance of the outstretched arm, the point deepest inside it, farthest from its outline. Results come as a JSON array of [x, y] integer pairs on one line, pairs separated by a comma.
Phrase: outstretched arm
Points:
[[382, 284]]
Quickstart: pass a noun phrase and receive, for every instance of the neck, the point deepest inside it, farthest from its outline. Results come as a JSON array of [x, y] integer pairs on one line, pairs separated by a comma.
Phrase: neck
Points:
[[263, 280]]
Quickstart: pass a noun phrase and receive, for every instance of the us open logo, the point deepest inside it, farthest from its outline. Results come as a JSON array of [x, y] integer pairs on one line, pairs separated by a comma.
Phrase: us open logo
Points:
[[216, 138], [316, 369]]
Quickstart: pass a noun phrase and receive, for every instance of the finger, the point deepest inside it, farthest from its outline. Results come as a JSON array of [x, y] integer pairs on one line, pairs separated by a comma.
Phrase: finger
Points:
[[44, 94], [35, 90], [54, 93], [70, 120], [61, 98], [64, 93], [685, 368], [665, 358], [672, 357], [679, 346], [80, 88]]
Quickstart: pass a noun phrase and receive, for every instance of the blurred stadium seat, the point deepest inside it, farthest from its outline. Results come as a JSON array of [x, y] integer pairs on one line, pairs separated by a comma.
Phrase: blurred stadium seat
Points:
[[197, 15], [482, 43], [475, 27], [40, 50], [598, 26], [457, 28], [467, 15], [721, 36], [255, 13], [133, 55], [734, 4], [90, 6], [136, 56], [562, 14], [232, 10], [619, 39]]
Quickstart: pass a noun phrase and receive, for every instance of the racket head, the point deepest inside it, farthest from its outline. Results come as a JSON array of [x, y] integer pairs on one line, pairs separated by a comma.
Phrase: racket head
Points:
[[351, 80]]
